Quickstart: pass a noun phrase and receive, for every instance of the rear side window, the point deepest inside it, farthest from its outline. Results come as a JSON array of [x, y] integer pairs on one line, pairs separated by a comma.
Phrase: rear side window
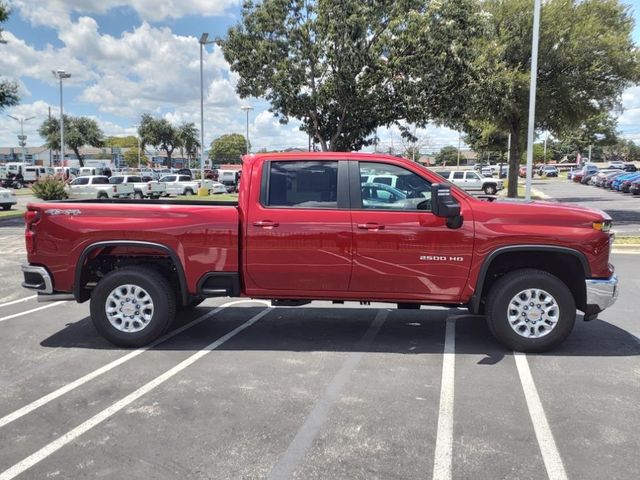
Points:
[[80, 181], [458, 175], [100, 181], [116, 180], [303, 185], [184, 178]]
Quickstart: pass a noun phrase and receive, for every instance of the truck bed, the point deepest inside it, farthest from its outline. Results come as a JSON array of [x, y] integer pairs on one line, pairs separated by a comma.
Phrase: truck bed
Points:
[[201, 236]]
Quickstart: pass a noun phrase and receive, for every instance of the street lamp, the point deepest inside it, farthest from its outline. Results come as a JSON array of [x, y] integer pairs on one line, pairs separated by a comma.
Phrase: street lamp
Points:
[[247, 108], [22, 137], [61, 75], [532, 95], [203, 41]]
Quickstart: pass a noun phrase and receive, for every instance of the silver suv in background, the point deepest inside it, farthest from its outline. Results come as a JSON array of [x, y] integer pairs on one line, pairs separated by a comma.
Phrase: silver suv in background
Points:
[[472, 181]]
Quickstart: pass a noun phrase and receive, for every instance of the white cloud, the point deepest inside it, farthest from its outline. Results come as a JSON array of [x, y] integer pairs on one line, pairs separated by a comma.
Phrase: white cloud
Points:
[[9, 128], [57, 12]]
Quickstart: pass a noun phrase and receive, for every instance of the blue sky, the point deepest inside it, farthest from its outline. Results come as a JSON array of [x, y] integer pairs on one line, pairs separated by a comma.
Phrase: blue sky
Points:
[[128, 57]]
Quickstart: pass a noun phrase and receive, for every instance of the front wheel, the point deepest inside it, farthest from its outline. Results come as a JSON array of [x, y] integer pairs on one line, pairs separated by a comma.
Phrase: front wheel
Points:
[[138, 195], [490, 189], [530, 310], [6, 207], [132, 306]]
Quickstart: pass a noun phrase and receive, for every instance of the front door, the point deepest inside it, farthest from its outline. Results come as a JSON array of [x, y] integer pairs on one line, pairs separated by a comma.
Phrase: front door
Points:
[[401, 250], [472, 181], [298, 235]]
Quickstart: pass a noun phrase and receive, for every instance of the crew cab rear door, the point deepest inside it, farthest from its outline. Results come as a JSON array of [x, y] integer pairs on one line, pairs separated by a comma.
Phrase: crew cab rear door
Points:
[[298, 229], [402, 252]]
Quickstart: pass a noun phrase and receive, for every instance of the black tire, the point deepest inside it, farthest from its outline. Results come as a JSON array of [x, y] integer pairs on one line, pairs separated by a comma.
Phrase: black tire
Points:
[[408, 306], [18, 185], [6, 207], [507, 287], [138, 195], [193, 303], [490, 189], [102, 195], [188, 192], [158, 288]]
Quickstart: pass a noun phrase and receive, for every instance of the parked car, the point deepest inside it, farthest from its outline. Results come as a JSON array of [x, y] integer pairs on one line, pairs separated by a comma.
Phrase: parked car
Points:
[[616, 164], [142, 186], [635, 187], [630, 167], [183, 185], [522, 171], [587, 170], [229, 178], [617, 181], [549, 171], [526, 266], [625, 185], [7, 199], [603, 175], [471, 181], [608, 183], [97, 186]]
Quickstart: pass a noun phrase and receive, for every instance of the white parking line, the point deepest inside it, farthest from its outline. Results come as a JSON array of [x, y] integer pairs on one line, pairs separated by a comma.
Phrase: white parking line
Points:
[[548, 449], [444, 436], [110, 366], [307, 433], [18, 301], [100, 417], [21, 314]]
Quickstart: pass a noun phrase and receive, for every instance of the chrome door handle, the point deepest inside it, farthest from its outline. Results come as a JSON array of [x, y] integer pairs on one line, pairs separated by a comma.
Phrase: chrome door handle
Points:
[[265, 224], [370, 226]]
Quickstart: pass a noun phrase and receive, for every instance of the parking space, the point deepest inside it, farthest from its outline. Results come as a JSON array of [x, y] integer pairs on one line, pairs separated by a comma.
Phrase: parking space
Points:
[[241, 390]]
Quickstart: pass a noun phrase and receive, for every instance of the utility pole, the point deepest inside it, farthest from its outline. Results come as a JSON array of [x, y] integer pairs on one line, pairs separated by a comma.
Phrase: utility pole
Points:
[[458, 162], [203, 41], [50, 151], [544, 155]]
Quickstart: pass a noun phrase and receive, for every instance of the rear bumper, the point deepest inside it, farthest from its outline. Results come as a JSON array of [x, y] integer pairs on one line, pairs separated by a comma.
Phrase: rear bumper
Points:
[[37, 278], [601, 293]]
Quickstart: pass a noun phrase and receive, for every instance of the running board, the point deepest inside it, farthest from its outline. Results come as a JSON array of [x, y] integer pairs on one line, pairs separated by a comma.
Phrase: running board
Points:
[[55, 297]]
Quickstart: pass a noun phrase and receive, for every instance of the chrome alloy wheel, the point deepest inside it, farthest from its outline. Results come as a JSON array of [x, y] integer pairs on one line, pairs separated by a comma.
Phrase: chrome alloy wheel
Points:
[[129, 308], [533, 313]]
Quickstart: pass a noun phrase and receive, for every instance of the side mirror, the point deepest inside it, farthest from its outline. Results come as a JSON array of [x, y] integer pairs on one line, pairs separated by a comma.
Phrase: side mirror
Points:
[[443, 204]]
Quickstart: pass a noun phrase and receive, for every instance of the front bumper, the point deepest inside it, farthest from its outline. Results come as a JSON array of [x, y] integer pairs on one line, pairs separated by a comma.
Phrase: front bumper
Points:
[[601, 292]]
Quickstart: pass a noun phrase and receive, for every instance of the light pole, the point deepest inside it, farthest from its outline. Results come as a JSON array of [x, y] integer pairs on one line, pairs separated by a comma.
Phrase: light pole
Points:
[[22, 137], [247, 108], [138, 138], [532, 95], [203, 41], [61, 75]]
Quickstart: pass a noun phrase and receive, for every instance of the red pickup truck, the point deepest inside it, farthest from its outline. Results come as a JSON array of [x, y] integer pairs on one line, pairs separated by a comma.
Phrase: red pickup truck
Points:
[[327, 226]]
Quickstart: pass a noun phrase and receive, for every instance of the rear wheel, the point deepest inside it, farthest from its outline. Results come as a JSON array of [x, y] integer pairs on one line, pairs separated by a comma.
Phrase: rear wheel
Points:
[[530, 310], [138, 195], [131, 307], [6, 207], [490, 189], [188, 191], [102, 195]]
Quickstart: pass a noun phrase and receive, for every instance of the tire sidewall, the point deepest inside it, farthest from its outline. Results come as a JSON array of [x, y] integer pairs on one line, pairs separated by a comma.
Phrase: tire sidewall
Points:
[[163, 305], [490, 190], [511, 284]]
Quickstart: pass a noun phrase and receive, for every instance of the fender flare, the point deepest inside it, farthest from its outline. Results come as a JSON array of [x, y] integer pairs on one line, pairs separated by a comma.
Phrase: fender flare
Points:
[[474, 303], [77, 282]]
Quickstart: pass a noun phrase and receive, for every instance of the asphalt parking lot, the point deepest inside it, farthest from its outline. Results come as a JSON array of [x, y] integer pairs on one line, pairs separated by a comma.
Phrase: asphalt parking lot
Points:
[[623, 208], [241, 390]]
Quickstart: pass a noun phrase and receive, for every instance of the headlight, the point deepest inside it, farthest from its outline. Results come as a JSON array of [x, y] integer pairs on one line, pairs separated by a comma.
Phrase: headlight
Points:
[[603, 226]]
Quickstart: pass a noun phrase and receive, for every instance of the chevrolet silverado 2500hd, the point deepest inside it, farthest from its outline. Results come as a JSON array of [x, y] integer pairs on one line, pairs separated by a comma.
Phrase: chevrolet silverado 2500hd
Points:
[[311, 226]]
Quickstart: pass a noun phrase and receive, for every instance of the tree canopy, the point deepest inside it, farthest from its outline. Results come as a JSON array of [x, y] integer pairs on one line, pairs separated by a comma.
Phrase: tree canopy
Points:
[[228, 148], [78, 132], [586, 59], [9, 90], [447, 156], [130, 141], [189, 143], [162, 135], [345, 68]]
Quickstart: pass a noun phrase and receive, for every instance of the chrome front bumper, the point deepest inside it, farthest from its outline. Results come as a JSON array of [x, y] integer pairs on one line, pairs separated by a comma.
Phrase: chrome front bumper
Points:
[[602, 292]]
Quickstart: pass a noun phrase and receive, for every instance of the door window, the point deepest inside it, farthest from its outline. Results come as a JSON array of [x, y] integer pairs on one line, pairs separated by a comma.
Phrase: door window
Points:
[[80, 181], [303, 184], [410, 190], [457, 175], [472, 176]]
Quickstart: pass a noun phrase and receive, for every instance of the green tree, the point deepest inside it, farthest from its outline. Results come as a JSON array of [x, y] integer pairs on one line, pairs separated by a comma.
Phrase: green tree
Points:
[[345, 68], [228, 148], [78, 132], [447, 156], [130, 157], [158, 133], [130, 141], [488, 140], [8, 89], [586, 59], [189, 143]]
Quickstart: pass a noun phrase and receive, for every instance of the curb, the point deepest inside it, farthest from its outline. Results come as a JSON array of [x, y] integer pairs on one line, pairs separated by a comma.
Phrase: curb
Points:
[[626, 248]]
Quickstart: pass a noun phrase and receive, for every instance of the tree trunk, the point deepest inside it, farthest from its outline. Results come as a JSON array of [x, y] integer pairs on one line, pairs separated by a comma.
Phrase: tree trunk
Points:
[[514, 160], [80, 159]]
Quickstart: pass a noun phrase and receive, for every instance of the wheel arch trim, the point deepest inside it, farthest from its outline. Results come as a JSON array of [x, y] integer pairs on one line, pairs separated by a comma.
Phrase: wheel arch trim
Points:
[[474, 303], [77, 284]]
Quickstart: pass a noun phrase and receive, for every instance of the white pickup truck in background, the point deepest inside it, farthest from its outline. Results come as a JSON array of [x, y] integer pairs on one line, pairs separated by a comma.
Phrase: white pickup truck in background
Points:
[[472, 181], [97, 186], [183, 185], [142, 186]]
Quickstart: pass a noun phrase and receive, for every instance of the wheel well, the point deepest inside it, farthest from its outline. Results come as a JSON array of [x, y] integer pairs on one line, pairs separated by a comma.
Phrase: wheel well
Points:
[[567, 267], [97, 261]]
